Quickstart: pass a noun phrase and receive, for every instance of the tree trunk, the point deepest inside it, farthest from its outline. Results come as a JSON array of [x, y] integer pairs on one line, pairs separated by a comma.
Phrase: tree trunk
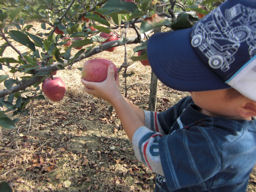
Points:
[[153, 84]]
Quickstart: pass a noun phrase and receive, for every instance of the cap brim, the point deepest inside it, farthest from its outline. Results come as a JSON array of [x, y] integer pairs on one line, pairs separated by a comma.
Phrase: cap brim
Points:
[[176, 64]]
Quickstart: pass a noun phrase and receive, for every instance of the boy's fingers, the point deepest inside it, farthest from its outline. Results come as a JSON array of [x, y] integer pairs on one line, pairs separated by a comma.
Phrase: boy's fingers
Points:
[[111, 72], [87, 84], [88, 90]]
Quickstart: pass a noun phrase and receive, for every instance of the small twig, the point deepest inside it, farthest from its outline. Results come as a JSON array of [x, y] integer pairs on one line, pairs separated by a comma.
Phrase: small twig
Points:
[[10, 170], [31, 111], [48, 140], [125, 62], [14, 48], [106, 46], [66, 11]]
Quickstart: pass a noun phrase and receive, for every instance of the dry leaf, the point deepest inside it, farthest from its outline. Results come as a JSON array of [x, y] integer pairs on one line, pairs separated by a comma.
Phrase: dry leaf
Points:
[[67, 184]]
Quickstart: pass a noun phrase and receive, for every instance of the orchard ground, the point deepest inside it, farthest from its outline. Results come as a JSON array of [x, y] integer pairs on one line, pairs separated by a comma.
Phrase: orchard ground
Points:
[[78, 144]]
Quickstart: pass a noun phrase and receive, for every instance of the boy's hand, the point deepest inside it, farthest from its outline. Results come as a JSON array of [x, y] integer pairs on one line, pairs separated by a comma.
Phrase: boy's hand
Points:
[[107, 89]]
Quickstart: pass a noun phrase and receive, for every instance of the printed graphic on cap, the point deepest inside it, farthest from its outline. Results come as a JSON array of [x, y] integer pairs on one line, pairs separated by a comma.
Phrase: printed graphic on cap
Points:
[[218, 36]]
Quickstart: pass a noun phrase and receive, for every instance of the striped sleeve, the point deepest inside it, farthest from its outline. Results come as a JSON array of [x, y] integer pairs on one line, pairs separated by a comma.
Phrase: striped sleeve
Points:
[[146, 148], [152, 122]]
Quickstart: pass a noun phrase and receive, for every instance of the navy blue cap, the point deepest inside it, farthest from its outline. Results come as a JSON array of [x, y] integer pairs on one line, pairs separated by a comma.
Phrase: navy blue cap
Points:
[[216, 53]]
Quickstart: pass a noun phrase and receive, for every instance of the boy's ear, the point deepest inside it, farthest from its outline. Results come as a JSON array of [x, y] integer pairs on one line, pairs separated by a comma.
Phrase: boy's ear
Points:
[[248, 110]]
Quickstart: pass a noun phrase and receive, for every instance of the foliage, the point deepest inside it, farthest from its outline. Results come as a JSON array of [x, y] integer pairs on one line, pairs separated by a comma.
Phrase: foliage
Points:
[[21, 76]]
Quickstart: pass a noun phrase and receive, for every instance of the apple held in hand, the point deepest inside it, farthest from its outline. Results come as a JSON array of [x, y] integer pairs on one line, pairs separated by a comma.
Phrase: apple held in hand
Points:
[[109, 37], [96, 70], [54, 88]]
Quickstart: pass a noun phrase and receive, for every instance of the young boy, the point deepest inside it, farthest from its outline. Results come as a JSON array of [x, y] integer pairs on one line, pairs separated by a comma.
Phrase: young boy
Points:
[[206, 142]]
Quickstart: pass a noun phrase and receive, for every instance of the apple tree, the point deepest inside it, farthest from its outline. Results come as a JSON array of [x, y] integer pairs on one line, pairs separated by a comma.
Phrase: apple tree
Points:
[[71, 30]]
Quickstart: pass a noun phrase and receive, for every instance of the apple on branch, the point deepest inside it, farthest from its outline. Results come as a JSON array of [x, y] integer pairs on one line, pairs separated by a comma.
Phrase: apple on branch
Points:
[[144, 62], [67, 41], [200, 15], [54, 88], [85, 19], [92, 28], [96, 70], [109, 37], [58, 31]]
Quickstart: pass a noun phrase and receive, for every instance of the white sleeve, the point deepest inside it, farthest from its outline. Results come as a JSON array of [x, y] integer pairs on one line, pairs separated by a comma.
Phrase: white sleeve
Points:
[[152, 122], [146, 147]]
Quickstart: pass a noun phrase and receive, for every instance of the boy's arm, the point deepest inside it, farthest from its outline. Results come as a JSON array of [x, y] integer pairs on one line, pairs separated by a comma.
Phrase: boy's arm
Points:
[[150, 118], [132, 118]]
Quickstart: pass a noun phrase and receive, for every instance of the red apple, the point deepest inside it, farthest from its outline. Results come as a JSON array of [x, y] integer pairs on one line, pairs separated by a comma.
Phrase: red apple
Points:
[[96, 70], [153, 18], [144, 62], [58, 31], [200, 15], [92, 28], [68, 41], [54, 88], [109, 37], [85, 19]]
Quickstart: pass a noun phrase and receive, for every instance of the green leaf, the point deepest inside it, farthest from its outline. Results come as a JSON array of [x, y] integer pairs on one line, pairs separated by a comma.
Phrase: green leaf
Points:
[[67, 54], [97, 18], [27, 27], [139, 58], [14, 12], [4, 187], [81, 43], [9, 83], [3, 15], [184, 20], [38, 41], [146, 26], [142, 46], [117, 18], [77, 55], [102, 29], [7, 123], [22, 38], [3, 78], [2, 49], [43, 25], [8, 60], [56, 54], [117, 6]]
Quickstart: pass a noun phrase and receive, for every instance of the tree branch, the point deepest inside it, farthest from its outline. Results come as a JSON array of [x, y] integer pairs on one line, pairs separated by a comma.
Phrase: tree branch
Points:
[[47, 69], [106, 46]]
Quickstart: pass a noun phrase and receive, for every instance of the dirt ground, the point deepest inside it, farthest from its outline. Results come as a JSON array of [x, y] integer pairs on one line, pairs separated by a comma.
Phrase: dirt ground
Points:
[[78, 144]]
